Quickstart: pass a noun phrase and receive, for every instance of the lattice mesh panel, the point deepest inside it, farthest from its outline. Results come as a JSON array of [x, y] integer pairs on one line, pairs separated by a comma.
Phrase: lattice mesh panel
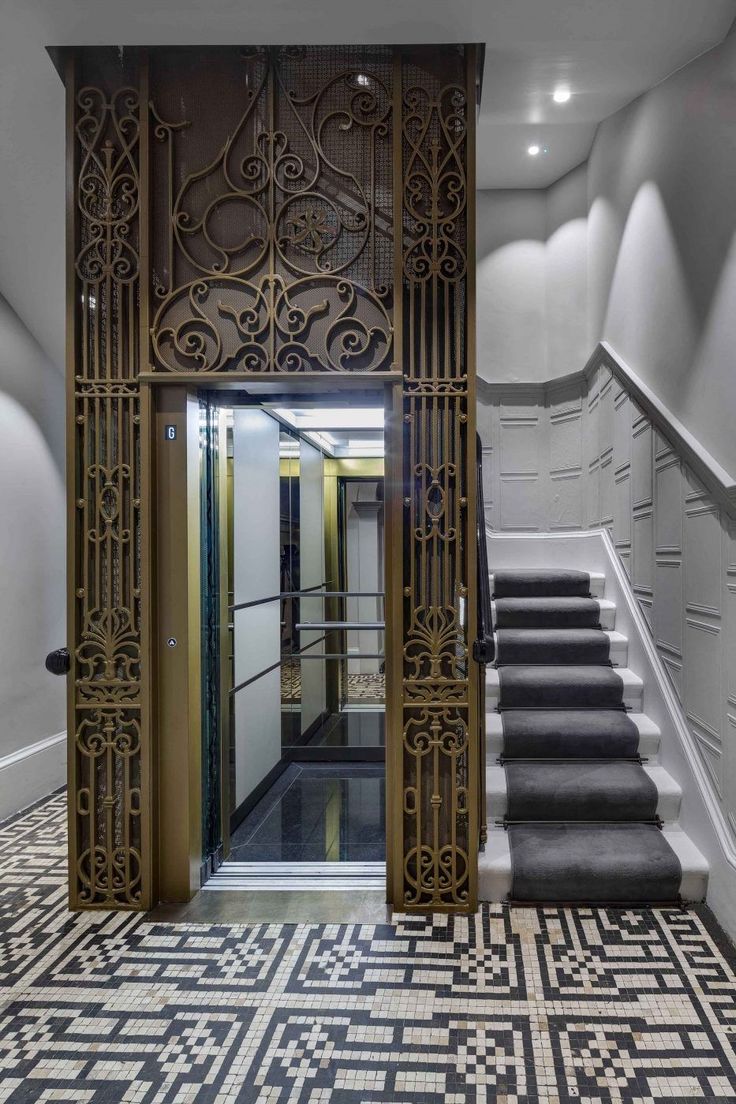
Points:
[[273, 244]]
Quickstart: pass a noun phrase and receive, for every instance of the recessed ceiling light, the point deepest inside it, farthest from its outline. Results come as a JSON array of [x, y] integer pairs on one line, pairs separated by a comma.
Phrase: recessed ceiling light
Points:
[[561, 95], [318, 418], [534, 151]]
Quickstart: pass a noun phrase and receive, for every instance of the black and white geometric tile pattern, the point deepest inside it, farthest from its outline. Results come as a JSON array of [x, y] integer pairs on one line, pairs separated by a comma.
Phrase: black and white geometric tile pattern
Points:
[[591, 1006]]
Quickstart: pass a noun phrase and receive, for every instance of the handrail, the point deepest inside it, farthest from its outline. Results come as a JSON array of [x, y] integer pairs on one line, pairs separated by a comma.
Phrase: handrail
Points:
[[311, 592], [483, 648]]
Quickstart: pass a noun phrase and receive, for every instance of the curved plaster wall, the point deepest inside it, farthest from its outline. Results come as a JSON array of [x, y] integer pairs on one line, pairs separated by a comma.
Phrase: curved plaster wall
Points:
[[32, 567]]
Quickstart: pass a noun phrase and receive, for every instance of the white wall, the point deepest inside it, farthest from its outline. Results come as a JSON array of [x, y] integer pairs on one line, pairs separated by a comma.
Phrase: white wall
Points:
[[566, 275], [32, 568], [532, 278], [662, 247], [636, 247], [510, 285]]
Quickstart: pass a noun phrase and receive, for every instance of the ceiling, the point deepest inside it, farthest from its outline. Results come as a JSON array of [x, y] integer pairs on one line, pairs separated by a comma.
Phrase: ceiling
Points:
[[607, 51]]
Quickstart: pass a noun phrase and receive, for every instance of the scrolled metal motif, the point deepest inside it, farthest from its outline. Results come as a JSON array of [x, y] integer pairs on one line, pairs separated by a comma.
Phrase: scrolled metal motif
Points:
[[276, 233], [319, 323], [438, 737], [106, 743], [310, 214]]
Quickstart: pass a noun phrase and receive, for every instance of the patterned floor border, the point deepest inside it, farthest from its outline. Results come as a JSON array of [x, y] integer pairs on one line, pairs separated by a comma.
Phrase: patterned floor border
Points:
[[511, 1006]]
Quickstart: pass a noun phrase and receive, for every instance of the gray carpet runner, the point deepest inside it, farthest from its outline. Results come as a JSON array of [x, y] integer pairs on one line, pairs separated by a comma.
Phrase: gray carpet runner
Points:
[[565, 687], [569, 734], [581, 810], [547, 613], [579, 791], [538, 582], [545, 646], [583, 863]]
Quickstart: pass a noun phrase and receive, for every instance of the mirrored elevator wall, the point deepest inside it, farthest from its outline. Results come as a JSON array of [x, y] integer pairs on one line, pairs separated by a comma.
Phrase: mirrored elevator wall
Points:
[[256, 605], [303, 697]]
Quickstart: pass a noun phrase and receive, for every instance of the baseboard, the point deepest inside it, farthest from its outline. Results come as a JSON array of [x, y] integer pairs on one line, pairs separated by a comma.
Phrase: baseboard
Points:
[[31, 773]]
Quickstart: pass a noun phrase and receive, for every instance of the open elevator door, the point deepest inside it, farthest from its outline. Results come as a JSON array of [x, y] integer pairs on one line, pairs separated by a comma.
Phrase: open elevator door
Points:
[[293, 640]]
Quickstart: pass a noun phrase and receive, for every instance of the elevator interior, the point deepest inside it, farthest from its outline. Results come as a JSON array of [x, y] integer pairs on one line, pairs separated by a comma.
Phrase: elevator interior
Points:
[[293, 631]]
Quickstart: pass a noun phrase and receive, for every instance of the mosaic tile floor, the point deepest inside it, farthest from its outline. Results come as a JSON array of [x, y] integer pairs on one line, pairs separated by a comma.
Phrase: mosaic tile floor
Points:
[[362, 689], [550, 1005]]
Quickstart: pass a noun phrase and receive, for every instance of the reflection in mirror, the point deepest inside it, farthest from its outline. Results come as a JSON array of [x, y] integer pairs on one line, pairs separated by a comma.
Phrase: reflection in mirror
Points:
[[305, 579]]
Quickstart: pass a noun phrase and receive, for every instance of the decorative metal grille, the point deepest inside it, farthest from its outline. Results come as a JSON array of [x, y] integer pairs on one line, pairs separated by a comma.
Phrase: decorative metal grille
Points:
[[438, 724], [276, 255], [275, 210], [106, 769]]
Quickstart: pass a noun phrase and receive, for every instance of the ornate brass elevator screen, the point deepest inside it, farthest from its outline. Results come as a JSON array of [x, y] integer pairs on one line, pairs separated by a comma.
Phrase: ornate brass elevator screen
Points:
[[243, 213]]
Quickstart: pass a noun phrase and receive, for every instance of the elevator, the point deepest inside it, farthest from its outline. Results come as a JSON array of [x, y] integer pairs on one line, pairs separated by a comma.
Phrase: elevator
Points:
[[253, 228], [293, 657]]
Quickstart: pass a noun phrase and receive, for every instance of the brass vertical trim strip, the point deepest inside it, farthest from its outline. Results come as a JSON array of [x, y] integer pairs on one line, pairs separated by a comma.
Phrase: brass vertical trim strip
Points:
[[149, 850], [394, 522], [71, 462], [394, 641], [179, 738], [475, 796], [223, 505], [331, 606]]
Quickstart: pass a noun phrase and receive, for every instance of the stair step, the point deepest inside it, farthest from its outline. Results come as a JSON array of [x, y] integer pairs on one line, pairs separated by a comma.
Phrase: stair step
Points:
[[597, 583], [633, 687], [694, 882], [649, 734], [552, 646], [546, 613], [607, 613], [494, 865], [594, 778]]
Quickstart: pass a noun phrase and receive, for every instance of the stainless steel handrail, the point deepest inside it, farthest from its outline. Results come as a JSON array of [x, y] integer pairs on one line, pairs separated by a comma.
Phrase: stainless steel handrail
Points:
[[310, 592], [340, 625]]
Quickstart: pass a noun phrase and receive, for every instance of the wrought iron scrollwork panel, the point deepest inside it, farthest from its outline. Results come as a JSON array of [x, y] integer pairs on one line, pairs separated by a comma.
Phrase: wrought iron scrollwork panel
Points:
[[438, 736], [277, 251], [280, 210], [106, 740]]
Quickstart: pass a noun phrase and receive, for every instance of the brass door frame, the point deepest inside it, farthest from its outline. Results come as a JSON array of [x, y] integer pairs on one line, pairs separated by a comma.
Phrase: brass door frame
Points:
[[176, 600]]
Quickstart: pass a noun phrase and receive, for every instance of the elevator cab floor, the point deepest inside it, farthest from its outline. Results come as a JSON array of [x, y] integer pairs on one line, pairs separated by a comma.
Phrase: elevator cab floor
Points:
[[317, 812]]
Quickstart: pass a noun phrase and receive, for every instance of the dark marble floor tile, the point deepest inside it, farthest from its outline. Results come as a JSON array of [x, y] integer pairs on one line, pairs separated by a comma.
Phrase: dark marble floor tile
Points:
[[316, 813]]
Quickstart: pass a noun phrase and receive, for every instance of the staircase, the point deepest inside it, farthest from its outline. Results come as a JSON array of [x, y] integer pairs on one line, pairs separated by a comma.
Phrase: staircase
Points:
[[579, 810]]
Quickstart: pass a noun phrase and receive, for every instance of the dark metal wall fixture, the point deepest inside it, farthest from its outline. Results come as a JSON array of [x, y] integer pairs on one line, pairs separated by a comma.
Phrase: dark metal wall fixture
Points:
[[238, 213]]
